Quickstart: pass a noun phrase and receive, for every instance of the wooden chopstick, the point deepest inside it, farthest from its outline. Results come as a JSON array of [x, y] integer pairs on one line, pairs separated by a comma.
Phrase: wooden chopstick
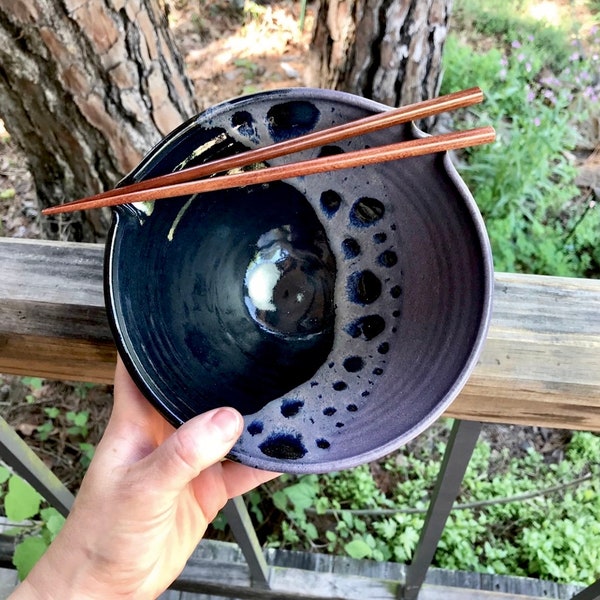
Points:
[[419, 110], [397, 151], [362, 126]]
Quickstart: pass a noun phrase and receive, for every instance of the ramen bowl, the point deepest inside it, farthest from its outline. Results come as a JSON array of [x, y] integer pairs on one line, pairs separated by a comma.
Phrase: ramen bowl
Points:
[[340, 313]]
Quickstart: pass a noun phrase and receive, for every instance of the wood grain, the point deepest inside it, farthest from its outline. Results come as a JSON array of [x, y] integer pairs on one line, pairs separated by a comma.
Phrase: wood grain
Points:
[[218, 570], [540, 364]]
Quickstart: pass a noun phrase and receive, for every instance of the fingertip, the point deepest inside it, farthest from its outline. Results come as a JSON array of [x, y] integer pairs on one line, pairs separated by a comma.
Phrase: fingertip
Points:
[[228, 422]]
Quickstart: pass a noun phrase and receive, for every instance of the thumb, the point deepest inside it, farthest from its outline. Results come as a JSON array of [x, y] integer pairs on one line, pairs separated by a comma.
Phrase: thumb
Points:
[[195, 446]]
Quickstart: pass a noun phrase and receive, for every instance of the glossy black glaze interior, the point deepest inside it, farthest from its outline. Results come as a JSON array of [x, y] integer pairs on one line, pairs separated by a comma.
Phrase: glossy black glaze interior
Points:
[[341, 313], [194, 309]]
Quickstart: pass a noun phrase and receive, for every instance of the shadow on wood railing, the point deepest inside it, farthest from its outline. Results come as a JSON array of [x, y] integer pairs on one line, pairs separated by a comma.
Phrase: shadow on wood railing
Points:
[[540, 366]]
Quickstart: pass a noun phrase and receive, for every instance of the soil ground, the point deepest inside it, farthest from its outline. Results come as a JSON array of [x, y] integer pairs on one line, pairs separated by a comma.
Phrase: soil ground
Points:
[[227, 54]]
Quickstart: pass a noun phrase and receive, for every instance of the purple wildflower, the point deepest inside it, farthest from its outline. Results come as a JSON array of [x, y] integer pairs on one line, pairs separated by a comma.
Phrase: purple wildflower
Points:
[[530, 95]]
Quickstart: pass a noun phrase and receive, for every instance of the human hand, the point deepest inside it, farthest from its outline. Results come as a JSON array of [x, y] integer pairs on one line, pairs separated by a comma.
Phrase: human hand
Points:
[[144, 504]]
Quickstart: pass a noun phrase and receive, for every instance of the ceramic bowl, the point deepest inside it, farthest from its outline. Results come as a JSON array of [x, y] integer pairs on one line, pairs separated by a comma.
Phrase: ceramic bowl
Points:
[[340, 313]]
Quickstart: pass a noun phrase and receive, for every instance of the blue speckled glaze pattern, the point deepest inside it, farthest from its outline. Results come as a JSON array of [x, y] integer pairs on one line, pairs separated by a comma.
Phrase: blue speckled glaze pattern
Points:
[[383, 296]]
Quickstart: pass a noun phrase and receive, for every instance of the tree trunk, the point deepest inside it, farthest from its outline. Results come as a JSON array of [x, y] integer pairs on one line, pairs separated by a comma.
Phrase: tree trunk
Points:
[[386, 50], [86, 89]]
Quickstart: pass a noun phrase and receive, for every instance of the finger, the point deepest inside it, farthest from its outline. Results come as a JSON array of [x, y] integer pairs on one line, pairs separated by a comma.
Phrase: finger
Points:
[[195, 446], [240, 479], [135, 428], [129, 403]]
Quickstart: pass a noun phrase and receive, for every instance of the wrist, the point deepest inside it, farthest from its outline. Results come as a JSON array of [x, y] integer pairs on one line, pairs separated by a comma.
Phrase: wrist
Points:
[[46, 583], [64, 572]]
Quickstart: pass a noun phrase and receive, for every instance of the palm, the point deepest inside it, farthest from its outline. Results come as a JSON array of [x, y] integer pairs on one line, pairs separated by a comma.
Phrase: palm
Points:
[[150, 493]]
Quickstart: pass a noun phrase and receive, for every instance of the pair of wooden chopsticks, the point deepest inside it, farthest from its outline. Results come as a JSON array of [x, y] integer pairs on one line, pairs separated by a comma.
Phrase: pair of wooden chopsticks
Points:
[[188, 181]]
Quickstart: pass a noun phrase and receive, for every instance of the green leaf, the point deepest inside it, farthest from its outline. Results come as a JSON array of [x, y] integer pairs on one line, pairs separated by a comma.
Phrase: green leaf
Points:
[[35, 383], [53, 521], [358, 549], [21, 501], [52, 412], [81, 418], [27, 553], [280, 500], [302, 495], [311, 531], [4, 474], [220, 522]]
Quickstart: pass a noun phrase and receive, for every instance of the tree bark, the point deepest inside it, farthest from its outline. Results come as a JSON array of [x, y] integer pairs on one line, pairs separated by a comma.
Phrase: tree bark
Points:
[[386, 50], [86, 89]]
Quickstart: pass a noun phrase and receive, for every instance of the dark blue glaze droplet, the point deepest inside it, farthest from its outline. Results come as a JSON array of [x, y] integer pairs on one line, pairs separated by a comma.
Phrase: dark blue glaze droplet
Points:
[[383, 348], [396, 291], [366, 211], [387, 259], [322, 443], [363, 287], [255, 428], [351, 408], [340, 386], [367, 327], [353, 364], [365, 394], [379, 238], [377, 371], [292, 119], [290, 408], [339, 424], [350, 248], [283, 445], [243, 121], [330, 202], [329, 411], [330, 151]]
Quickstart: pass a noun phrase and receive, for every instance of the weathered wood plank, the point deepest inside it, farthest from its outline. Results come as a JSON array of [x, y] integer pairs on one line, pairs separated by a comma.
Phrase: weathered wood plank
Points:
[[171, 595], [52, 316], [539, 365], [217, 570], [540, 362], [8, 582], [80, 360]]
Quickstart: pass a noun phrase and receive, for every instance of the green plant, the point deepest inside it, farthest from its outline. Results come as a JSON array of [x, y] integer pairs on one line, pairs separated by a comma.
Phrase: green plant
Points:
[[74, 423], [524, 183], [35, 526], [502, 523], [34, 384], [78, 423], [506, 20]]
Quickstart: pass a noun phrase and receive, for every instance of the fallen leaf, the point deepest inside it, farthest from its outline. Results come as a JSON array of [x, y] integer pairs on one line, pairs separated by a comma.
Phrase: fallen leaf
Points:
[[27, 429]]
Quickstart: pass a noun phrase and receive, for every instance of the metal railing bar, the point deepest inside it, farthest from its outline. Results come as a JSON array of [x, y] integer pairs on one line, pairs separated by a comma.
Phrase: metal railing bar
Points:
[[459, 450], [237, 516], [22, 459]]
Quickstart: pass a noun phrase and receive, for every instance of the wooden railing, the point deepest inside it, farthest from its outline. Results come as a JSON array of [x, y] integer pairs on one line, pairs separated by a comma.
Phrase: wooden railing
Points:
[[540, 366]]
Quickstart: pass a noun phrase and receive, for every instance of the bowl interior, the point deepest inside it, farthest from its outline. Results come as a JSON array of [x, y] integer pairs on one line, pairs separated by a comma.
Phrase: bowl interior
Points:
[[340, 313]]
